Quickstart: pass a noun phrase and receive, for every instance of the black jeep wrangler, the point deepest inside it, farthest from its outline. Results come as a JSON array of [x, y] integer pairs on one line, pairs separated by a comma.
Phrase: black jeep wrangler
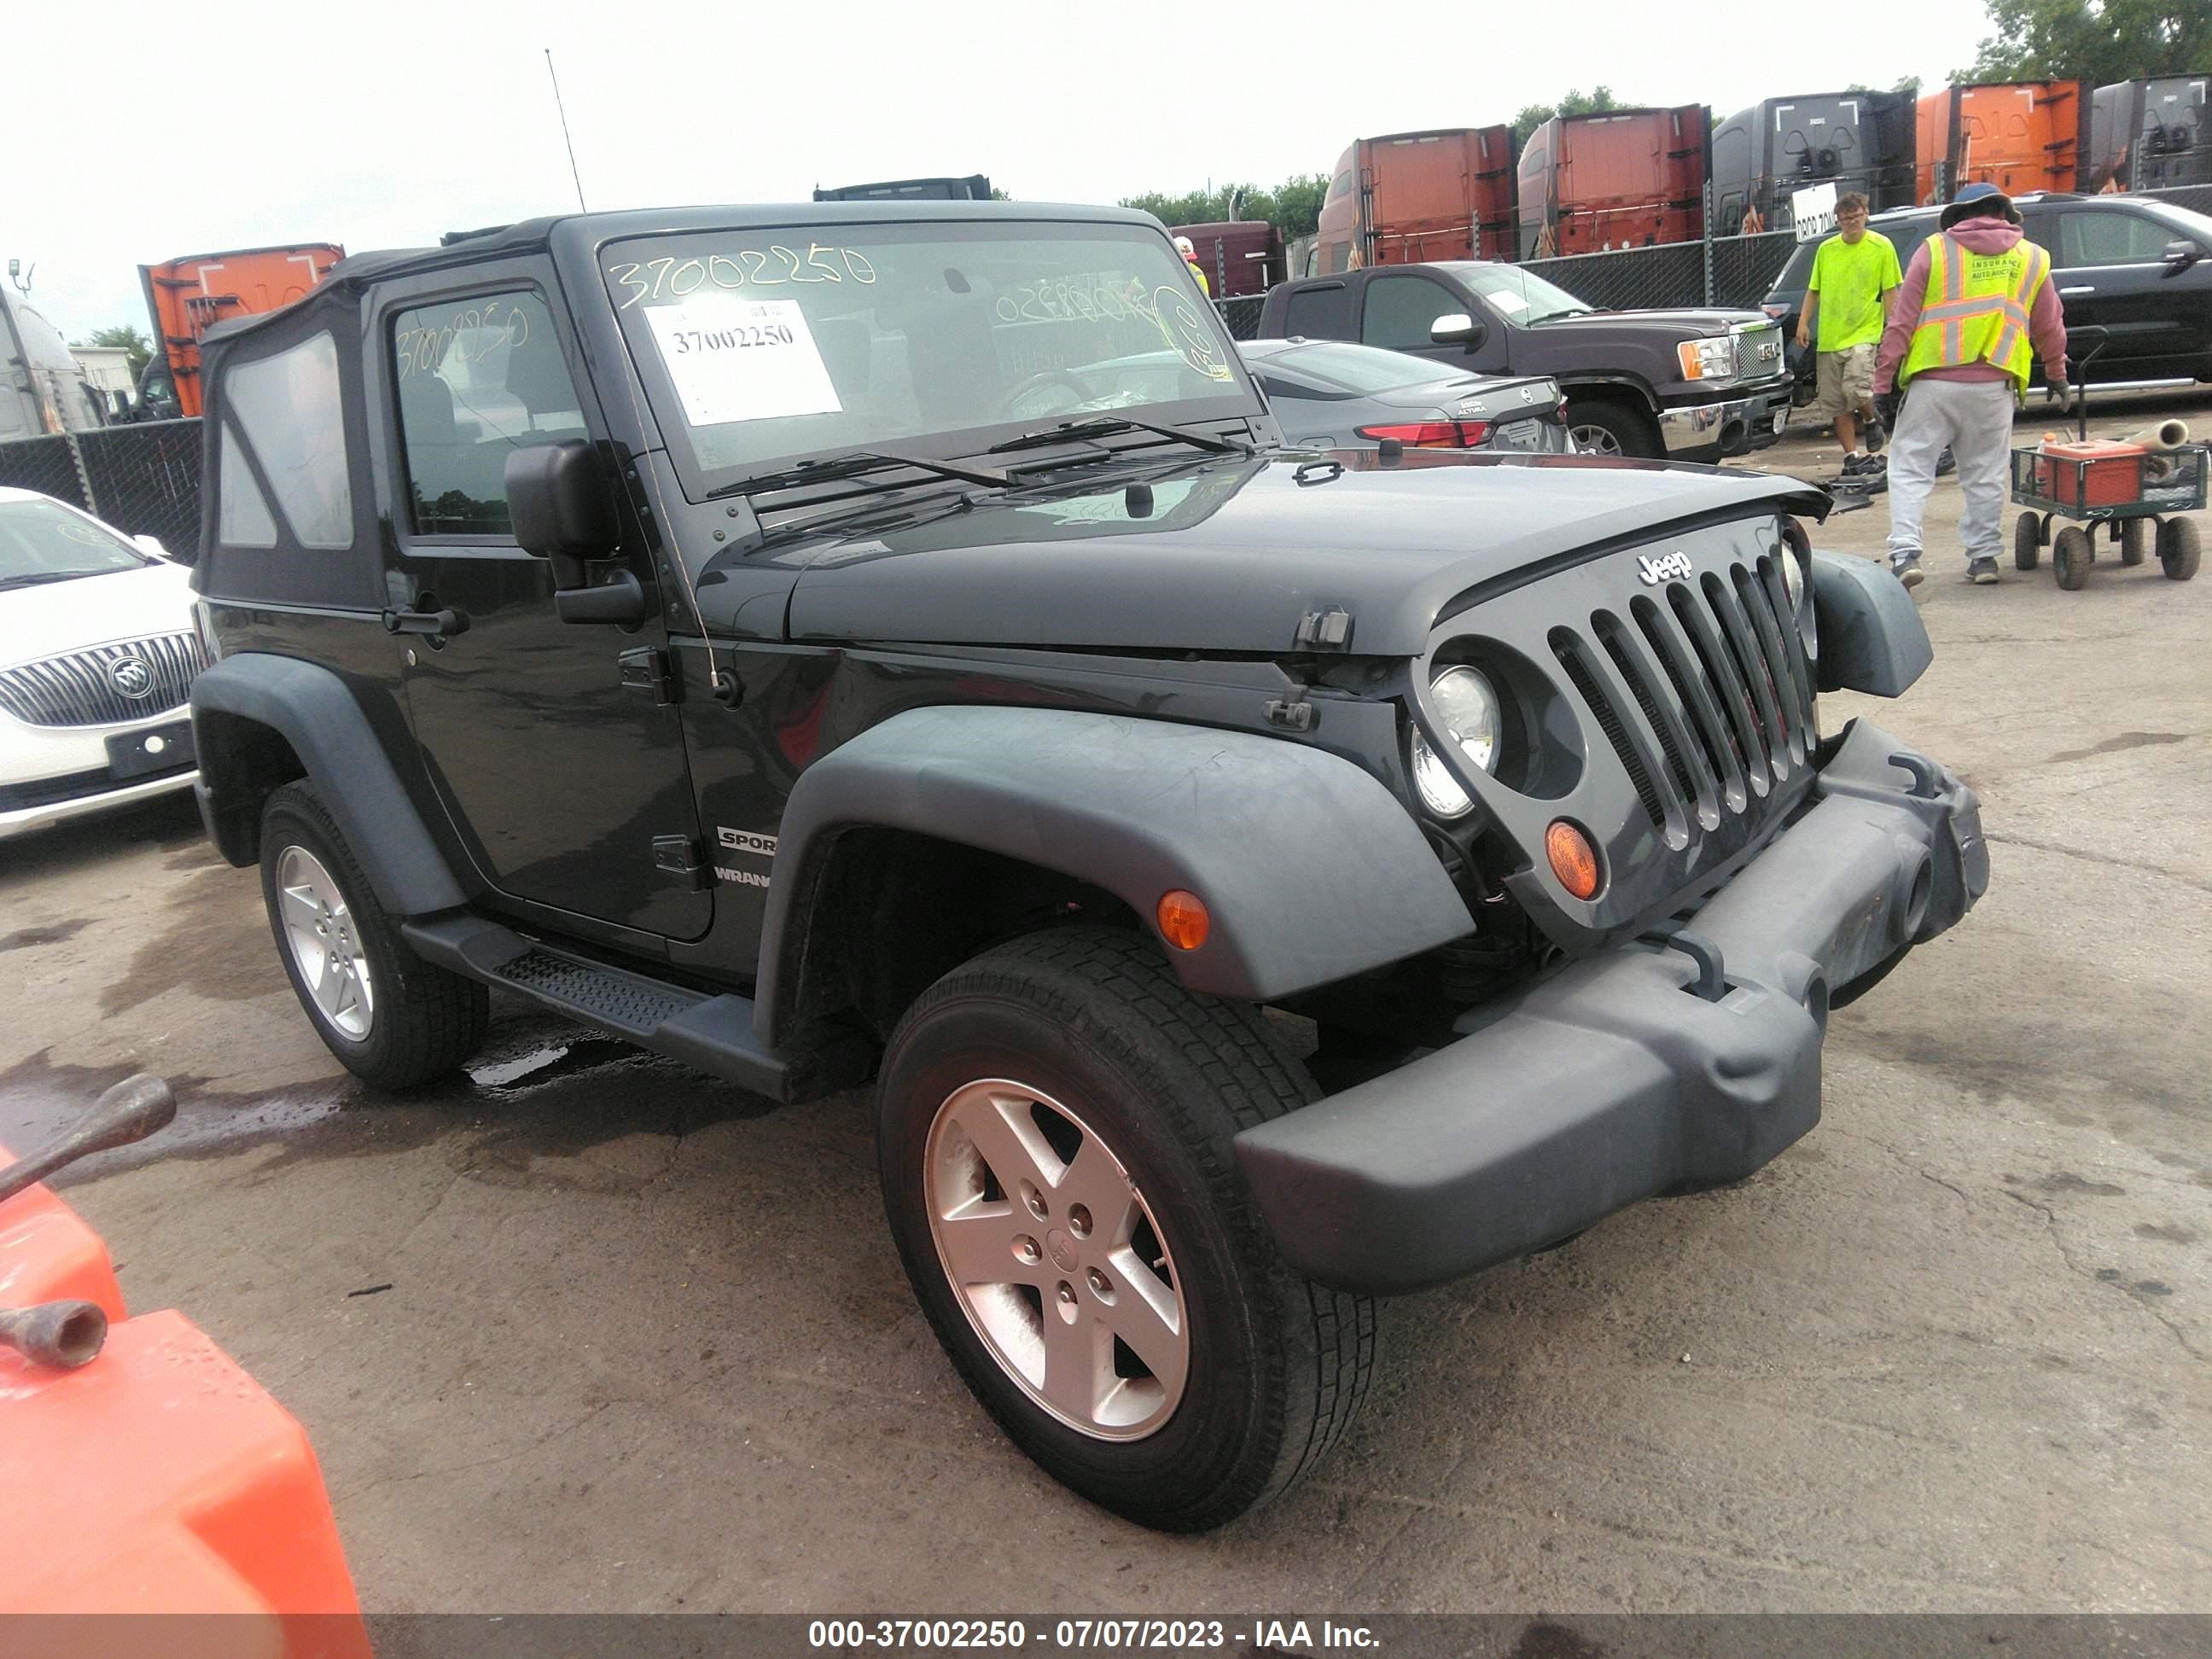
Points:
[[890, 639]]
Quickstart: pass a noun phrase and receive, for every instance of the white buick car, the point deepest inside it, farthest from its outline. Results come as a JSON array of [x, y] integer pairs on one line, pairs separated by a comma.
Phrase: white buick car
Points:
[[97, 653]]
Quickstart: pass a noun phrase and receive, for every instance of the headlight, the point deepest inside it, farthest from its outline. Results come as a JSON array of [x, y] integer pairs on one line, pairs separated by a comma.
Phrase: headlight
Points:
[[1466, 705], [1711, 359], [1796, 554]]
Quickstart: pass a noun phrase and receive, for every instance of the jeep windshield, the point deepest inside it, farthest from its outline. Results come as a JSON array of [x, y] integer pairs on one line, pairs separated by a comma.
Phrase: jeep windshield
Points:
[[759, 349]]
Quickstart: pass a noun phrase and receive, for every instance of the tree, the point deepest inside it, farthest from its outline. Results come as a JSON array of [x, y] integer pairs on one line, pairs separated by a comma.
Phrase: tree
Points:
[[2100, 41], [1575, 103], [123, 335], [1293, 207]]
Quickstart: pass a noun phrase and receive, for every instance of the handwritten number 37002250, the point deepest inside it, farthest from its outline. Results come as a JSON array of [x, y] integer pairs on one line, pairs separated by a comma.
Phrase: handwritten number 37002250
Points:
[[689, 341], [669, 277]]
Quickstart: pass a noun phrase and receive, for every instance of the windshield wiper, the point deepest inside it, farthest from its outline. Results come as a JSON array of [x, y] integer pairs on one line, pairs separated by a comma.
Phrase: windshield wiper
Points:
[[1105, 425], [855, 463], [40, 578]]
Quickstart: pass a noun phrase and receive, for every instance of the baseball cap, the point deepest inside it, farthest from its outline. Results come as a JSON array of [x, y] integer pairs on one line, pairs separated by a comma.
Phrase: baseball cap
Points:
[[1184, 246]]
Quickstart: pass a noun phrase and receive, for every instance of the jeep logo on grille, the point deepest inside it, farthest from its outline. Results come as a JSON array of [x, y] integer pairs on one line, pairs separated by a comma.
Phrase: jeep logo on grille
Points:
[[1675, 567], [132, 676]]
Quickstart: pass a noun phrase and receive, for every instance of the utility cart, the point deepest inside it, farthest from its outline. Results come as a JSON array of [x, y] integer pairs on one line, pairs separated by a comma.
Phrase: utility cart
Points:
[[2139, 492]]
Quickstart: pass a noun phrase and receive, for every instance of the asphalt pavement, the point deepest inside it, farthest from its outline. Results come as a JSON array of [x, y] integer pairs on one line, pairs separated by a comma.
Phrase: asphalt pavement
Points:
[[585, 1330]]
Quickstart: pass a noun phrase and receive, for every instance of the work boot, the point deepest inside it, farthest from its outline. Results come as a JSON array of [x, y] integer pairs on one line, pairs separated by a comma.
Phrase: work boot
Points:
[[1906, 568], [1947, 462], [1982, 573], [1873, 436]]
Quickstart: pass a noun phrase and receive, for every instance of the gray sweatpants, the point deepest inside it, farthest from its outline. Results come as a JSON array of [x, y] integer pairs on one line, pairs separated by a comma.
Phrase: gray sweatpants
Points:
[[1974, 417]]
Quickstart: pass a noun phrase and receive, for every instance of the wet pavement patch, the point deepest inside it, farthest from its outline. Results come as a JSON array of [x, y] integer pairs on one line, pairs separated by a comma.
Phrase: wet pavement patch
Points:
[[54, 933]]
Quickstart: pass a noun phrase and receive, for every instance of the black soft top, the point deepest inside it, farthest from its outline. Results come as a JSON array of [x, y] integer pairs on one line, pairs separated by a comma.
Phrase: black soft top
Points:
[[583, 233]]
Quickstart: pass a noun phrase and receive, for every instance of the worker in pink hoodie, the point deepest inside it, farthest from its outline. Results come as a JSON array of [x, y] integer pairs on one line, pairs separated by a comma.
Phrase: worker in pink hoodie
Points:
[[1976, 309]]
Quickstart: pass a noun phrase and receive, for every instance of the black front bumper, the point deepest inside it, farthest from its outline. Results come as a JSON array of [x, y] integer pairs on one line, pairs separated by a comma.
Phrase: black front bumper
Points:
[[1653, 1067]]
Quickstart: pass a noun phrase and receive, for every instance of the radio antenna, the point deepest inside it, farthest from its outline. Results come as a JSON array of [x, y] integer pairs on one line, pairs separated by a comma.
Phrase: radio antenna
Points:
[[565, 138]]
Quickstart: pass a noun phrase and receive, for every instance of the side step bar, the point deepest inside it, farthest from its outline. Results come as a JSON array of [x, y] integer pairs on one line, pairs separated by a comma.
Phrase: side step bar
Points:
[[714, 1033]]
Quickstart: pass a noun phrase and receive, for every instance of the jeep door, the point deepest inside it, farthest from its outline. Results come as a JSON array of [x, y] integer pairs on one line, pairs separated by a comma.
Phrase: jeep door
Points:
[[562, 786]]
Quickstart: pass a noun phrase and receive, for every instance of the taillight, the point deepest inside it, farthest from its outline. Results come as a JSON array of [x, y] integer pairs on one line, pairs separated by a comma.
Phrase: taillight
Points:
[[1432, 434]]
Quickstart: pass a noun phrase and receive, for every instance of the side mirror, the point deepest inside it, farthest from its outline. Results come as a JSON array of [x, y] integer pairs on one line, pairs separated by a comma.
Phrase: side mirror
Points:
[[2179, 254], [1457, 328], [151, 545], [561, 506]]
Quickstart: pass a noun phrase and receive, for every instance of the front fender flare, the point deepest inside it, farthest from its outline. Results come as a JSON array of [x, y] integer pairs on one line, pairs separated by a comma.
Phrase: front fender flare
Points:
[[1312, 869], [313, 710]]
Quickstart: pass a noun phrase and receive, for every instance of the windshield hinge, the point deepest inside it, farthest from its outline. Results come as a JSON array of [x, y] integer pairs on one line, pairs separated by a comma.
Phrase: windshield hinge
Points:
[[1292, 714], [645, 669], [682, 858], [1324, 630]]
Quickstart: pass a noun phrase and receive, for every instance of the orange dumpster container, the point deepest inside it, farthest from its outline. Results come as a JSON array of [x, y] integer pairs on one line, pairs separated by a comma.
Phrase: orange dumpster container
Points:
[[159, 1480]]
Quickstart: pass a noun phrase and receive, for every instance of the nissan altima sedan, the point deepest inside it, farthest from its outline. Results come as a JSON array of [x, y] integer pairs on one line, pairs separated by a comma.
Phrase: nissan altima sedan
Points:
[[98, 649]]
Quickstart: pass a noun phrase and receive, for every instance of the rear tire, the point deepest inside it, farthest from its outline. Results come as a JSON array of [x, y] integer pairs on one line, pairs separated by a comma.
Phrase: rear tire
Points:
[[2027, 541], [2179, 548], [392, 1019], [2070, 557], [1602, 427], [1027, 1096]]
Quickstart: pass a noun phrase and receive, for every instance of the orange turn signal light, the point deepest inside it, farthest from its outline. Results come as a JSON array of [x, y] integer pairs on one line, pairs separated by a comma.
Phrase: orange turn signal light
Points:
[[1574, 860], [1183, 920]]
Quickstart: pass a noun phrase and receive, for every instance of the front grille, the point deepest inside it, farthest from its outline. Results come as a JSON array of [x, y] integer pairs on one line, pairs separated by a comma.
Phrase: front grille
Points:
[[1703, 692], [79, 689], [1759, 352]]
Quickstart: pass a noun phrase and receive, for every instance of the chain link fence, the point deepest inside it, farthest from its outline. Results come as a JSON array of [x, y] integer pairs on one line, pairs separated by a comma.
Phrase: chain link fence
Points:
[[1240, 314], [144, 479]]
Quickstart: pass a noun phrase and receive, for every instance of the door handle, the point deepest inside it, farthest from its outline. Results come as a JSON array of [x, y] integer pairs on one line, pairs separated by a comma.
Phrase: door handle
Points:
[[2064, 292], [433, 622]]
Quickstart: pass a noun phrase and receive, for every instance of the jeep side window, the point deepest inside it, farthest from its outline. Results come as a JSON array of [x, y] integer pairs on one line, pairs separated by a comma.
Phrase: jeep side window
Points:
[[288, 410], [479, 379], [1399, 311], [241, 516]]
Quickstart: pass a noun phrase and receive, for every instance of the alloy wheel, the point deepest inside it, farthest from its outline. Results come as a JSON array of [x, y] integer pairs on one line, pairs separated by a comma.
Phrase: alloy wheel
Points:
[[319, 930], [1056, 1260]]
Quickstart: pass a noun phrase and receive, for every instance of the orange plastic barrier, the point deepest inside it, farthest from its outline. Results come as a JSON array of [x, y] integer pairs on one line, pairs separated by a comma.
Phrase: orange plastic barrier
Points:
[[159, 1480]]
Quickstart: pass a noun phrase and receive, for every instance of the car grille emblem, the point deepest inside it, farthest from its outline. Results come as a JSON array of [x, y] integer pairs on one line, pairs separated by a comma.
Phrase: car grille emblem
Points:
[[132, 676], [1675, 567]]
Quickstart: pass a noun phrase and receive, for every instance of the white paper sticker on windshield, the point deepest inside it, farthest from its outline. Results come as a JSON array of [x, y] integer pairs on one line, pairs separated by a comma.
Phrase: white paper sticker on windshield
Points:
[[1509, 303], [742, 360]]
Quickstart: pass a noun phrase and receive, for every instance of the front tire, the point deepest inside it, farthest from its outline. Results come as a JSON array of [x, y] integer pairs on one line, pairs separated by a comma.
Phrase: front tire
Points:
[[2179, 549], [2071, 555], [1602, 427], [2027, 541], [1055, 1126], [392, 1019]]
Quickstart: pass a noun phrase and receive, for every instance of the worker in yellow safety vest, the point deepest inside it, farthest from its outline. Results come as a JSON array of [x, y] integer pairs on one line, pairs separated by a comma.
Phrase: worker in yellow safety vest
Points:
[[1977, 307], [1189, 252]]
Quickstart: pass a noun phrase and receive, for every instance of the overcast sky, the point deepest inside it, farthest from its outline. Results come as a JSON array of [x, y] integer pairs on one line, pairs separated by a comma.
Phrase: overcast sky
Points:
[[152, 132]]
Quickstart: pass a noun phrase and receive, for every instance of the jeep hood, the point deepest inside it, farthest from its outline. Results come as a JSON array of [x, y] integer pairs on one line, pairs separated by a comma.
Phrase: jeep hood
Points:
[[1230, 556]]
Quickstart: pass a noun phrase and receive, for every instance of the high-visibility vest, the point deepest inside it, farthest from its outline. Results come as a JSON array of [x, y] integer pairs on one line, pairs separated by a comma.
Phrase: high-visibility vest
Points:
[[1977, 309], [1198, 271]]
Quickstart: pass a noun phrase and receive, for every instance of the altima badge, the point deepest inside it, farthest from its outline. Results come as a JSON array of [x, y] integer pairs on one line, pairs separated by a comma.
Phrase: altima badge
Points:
[[1675, 567]]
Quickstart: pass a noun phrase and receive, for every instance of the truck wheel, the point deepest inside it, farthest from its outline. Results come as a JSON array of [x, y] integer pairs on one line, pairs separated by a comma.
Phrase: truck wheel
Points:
[[1602, 427], [2135, 540], [2179, 548], [1054, 1126], [2070, 557], [2027, 541], [392, 1019]]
